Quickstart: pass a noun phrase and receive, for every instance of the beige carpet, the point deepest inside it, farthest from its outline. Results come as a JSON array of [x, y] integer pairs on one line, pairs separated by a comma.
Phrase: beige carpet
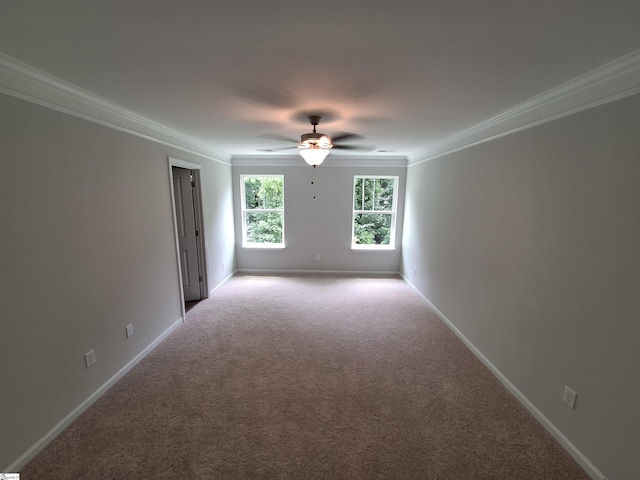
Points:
[[307, 377]]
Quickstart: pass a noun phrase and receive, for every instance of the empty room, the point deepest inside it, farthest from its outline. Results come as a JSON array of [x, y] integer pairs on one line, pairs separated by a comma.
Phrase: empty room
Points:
[[337, 240]]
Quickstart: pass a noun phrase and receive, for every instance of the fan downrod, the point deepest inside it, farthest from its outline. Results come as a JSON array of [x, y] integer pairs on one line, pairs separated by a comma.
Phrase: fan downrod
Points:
[[314, 120]]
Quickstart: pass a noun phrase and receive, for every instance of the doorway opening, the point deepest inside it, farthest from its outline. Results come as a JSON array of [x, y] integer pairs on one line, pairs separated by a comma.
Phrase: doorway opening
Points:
[[189, 232]]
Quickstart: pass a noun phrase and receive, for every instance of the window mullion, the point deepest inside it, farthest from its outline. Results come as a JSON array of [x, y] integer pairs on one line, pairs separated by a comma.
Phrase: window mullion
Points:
[[374, 197]]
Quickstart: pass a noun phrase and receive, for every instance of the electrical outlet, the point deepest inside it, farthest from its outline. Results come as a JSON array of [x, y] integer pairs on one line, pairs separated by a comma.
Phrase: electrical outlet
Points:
[[222, 266], [569, 397], [415, 270], [90, 358], [317, 256], [129, 329]]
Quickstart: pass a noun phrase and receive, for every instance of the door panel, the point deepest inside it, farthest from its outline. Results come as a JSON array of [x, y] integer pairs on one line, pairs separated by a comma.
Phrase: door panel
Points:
[[186, 228]]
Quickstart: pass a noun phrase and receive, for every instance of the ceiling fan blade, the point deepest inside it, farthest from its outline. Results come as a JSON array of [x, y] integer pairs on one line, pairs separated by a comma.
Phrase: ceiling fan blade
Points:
[[358, 148], [373, 121], [276, 97], [280, 138], [341, 136], [274, 149]]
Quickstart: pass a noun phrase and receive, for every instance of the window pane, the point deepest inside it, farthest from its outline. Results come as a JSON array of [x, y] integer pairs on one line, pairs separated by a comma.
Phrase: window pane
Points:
[[253, 192], [273, 189], [369, 186], [264, 227], [372, 229], [383, 194], [357, 194]]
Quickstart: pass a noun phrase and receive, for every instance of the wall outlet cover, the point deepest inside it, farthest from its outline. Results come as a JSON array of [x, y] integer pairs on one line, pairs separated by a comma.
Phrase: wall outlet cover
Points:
[[90, 358], [569, 397]]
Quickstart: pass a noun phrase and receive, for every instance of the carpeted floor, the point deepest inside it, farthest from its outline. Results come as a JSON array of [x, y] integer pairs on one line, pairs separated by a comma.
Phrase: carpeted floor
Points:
[[307, 377]]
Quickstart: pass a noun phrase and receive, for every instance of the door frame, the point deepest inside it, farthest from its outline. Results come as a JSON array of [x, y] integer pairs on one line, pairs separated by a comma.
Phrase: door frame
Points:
[[199, 220]]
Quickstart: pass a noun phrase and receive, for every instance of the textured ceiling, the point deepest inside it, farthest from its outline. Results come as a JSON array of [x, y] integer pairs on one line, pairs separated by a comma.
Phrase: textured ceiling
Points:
[[404, 74]]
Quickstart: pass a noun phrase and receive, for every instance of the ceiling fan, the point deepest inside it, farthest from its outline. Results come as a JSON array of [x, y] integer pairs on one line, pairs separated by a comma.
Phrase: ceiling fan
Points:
[[315, 146]]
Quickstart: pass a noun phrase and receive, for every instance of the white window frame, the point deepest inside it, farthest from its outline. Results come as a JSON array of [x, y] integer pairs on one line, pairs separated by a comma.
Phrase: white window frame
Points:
[[392, 212], [245, 210]]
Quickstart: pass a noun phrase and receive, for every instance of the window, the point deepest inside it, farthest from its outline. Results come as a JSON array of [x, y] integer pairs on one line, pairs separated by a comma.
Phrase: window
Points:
[[262, 210], [374, 212]]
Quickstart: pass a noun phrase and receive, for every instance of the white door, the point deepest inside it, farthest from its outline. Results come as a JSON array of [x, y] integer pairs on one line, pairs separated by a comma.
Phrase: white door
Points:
[[187, 234]]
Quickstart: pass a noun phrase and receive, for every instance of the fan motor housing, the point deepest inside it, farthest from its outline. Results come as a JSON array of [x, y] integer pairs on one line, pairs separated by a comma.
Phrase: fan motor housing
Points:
[[315, 138]]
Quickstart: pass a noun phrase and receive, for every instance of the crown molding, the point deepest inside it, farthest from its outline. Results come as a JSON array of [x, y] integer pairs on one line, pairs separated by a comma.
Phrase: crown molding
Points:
[[20, 80], [330, 161], [613, 81]]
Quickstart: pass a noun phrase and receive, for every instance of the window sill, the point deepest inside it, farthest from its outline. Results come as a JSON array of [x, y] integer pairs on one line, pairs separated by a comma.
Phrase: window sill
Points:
[[372, 248], [262, 247]]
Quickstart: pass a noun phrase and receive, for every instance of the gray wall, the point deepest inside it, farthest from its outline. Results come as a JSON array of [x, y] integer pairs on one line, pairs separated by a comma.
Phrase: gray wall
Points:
[[87, 247], [321, 225], [530, 246], [217, 210]]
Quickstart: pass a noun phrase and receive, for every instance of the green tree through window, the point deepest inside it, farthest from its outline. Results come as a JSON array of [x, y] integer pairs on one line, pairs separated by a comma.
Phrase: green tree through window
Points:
[[262, 210], [374, 211]]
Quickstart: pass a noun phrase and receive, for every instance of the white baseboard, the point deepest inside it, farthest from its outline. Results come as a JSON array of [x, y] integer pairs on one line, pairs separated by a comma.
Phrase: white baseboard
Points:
[[577, 455], [75, 413], [254, 271], [225, 280]]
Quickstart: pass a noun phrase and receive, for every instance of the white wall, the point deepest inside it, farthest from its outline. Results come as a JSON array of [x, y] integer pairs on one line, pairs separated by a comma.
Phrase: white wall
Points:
[[87, 247], [529, 245], [217, 210], [317, 226]]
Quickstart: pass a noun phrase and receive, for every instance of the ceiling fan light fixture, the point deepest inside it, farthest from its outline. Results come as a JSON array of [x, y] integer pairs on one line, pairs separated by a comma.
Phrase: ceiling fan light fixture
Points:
[[314, 154]]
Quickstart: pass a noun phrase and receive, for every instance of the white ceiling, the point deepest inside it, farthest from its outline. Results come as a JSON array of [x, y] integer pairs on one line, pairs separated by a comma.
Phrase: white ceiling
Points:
[[404, 74]]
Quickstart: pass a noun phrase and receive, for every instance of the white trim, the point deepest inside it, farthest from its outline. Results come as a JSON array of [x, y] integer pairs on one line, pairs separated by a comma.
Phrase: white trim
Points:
[[225, 280], [176, 162], [76, 412], [613, 81], [331, 161], [176, 240], [28, 83], [577, 455], [259, 271]]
